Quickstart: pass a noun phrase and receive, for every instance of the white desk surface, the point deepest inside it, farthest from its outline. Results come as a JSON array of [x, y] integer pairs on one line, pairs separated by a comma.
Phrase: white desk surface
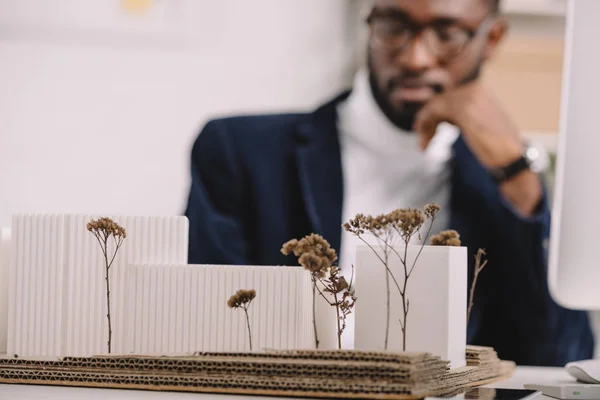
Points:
[[31, 392]]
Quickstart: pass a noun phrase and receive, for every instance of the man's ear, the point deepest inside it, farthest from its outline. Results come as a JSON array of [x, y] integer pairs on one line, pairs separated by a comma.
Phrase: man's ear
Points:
[[497, 32]]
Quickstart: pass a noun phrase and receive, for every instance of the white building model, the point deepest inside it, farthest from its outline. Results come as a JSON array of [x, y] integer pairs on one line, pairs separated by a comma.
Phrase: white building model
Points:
[[56, 296], [53, 299]]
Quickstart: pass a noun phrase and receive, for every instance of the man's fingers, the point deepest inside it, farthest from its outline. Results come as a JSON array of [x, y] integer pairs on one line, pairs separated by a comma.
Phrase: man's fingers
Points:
[[427, 121]]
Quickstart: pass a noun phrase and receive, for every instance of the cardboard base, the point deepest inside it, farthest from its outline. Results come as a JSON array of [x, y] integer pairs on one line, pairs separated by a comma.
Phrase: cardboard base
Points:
[[253, 392], [307, 374]]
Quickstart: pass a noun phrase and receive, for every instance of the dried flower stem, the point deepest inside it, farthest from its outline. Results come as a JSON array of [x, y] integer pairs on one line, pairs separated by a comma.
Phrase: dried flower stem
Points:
[[382, 261], [107, 265], [314, 309], [422, 244], [386, 253], [315, 255], [387, 303], [405, 224], [242, 299], [407, 273], [336, 285], [479, 266], [337, 313], [338, 320], [388, 275], [248, 325], [403, 295], [102, 230], [108, 311]]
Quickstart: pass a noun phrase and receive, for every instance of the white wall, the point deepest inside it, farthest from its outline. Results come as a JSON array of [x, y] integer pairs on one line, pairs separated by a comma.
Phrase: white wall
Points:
[[99, 105]]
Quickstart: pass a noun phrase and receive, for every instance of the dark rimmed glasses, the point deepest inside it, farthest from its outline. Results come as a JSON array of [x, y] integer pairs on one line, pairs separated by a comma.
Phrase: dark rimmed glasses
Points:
[[445, 39]]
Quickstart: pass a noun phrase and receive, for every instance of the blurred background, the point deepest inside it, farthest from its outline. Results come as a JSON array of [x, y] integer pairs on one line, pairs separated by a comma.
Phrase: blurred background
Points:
[[100, 100]]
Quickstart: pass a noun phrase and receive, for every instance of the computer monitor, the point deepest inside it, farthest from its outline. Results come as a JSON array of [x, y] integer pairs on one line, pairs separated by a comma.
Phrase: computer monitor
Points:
[[574, 251]]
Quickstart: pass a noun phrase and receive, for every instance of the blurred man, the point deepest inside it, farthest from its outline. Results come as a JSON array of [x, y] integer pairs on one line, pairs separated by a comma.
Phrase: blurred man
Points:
[[417, 127]]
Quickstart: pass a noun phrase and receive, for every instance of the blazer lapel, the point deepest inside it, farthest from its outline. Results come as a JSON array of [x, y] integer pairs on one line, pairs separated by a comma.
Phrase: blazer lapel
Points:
[[320, 171]]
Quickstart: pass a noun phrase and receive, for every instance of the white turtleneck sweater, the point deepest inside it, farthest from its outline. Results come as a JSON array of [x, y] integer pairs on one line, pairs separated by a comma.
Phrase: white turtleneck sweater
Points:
[[384, 168]]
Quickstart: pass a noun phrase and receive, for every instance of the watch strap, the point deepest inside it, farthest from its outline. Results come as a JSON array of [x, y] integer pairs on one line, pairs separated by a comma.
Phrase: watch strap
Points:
[[505, 173]]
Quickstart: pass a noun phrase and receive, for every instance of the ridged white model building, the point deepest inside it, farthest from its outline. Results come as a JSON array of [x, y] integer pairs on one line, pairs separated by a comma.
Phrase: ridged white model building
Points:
[[56, 297], [183, 308]]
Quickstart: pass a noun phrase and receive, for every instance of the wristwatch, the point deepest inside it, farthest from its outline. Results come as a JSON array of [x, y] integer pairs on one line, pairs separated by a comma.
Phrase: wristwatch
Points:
[[534, 158]]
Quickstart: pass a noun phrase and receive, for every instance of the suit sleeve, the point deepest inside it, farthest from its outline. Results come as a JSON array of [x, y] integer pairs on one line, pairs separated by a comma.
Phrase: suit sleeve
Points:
[[214, 206]]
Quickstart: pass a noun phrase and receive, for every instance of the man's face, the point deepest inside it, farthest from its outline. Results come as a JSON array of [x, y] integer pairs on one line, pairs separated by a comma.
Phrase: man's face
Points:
[[409, 65]]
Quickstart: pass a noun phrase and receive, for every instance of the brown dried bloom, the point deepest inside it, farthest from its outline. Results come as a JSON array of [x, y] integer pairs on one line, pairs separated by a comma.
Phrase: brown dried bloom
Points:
[[241, 298], [314, 253], [313, 263], [361, 223], [290, 247], [335, 283], [431, 210], [446, 238], [338, 293], [357, 225], [407, 221], [107, 227]]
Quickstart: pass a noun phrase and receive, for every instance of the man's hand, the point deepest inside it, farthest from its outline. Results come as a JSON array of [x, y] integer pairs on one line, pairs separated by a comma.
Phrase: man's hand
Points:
[[489, 133]]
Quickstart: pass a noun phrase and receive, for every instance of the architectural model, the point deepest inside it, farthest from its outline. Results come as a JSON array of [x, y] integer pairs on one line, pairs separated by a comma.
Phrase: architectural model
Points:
[[77, 312]]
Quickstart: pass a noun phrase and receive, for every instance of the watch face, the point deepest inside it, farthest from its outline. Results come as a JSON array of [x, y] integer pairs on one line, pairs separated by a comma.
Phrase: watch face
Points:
[[537, 159]]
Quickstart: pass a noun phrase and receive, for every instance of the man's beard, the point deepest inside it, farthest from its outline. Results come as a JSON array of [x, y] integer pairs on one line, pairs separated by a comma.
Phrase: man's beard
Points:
[[405, 117]]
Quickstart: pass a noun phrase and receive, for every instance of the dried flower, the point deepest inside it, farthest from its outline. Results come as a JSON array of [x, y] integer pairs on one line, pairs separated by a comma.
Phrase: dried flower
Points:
[[431, 210], [446, 238], [316, 255], [335, 284], [103, 229], [383, 229], [342, 292], [346, 306], [404, 223], [241, 298], [357, 225], [107, 227], [407, 222], [313, 263]]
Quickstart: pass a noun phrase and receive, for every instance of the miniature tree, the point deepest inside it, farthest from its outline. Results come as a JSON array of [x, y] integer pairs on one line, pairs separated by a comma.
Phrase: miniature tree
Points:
[[479, 266], [103, 229], [315, 255], [343, 300], [242, 299], [400, 225], [385, 234]]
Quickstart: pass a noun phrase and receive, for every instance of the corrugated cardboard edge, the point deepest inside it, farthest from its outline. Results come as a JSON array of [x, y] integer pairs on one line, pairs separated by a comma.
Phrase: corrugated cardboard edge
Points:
[[508, 374], [449, 382]]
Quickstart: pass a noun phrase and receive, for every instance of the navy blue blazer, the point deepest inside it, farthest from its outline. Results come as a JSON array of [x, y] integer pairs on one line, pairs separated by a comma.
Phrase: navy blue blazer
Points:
[[258, 181]]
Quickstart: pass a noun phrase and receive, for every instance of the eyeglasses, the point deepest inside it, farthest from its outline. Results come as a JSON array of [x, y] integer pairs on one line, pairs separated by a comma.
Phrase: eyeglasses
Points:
[[446, 40]]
